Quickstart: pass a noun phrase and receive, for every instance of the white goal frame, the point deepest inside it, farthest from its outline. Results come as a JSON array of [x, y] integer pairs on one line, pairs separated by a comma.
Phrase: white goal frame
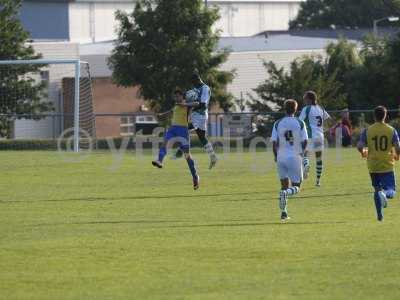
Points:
[[77, 63]]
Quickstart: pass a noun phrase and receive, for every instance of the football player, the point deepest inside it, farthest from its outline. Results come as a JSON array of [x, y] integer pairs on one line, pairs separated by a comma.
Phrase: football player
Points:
[[289, 137], [380, 144], [314, 117], [199, 117], [179, 131]]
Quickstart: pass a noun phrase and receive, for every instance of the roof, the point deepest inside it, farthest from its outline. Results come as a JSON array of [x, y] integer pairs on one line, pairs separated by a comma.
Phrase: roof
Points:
[[268, 41], [296, 40]]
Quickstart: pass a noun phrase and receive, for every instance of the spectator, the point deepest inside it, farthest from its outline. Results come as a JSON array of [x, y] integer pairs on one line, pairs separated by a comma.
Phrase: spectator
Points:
[[344, 128]]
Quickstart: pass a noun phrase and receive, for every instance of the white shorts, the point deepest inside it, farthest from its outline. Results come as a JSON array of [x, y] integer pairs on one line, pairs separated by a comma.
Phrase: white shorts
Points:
[[315, 144], [291, 167], [199, 121]]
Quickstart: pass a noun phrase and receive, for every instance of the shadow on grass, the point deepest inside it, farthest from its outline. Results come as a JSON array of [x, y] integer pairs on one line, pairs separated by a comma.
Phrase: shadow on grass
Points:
[[321, 196], [255, 224], [191, 225], [195, 195], [112, 222], [142, 197]]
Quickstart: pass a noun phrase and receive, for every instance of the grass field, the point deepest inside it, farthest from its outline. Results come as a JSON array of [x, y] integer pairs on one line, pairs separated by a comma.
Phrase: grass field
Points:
[[93, 230]]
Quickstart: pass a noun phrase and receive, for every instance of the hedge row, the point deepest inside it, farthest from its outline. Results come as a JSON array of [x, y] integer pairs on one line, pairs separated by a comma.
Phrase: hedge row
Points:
[[101, 144]]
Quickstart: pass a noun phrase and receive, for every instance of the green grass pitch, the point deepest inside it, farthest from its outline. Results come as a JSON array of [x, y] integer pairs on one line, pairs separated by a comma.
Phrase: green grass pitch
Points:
[[100, 230]]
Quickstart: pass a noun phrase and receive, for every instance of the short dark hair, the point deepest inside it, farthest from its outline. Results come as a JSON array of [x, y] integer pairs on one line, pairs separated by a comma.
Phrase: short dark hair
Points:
[[195, 76], [178, 92], [380, 113], [312, 96], [290, 106]]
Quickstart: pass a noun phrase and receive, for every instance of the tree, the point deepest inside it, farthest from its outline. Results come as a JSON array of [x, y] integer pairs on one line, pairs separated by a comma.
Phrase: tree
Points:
[[376, 81], [15, 79], [306, 73], [316, 14], [162, 43], [347, 77]]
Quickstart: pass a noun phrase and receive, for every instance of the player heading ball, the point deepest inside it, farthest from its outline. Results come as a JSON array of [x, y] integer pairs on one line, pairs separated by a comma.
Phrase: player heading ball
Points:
[[289, 137]]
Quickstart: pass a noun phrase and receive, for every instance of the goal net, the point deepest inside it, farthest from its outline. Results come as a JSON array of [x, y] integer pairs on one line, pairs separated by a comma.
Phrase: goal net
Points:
[[47, 100]]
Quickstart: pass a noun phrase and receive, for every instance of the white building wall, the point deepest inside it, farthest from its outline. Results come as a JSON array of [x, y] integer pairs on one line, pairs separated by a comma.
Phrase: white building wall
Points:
[[94, 21], [49, 127], [251, 18], [250, 71], [80, 22]]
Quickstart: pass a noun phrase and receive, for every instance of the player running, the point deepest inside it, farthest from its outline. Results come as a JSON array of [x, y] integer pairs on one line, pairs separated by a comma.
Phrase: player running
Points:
[[199, 117], [289, 137], [314, 116], [178, 132], [380, 144]]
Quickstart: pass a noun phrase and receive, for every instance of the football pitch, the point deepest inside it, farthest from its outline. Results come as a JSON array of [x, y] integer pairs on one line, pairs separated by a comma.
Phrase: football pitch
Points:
[[107, 229]]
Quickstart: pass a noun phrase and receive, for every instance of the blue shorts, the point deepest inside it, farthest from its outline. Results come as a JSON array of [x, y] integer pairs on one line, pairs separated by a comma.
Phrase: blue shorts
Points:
[[385, 181], [180, 134]]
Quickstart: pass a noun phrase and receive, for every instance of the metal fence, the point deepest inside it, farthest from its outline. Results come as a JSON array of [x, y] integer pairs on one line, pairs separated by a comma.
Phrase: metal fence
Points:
[[234, 125]]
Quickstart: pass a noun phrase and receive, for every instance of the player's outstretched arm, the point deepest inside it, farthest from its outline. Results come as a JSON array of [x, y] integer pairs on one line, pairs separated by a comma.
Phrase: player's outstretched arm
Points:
[[396, 144], [362, 144], [190, 104], [165, 114], [275, 141], [304, 146], [275, 149]]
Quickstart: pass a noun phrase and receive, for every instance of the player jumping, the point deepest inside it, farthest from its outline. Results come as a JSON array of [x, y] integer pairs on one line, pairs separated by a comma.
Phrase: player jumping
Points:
[[314, 116], [376, 144], [199, 117], [289, 137], [179, 131]]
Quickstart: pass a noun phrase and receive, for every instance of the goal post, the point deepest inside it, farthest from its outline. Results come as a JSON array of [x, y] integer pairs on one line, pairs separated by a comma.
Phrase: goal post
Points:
[[19, 79]]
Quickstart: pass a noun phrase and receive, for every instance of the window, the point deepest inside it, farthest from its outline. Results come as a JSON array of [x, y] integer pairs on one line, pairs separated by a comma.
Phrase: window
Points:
[[45, 76], [127, 126]]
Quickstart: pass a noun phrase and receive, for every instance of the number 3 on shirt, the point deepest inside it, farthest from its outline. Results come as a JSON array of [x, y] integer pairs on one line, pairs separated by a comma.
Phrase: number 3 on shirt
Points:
[[319, 119]]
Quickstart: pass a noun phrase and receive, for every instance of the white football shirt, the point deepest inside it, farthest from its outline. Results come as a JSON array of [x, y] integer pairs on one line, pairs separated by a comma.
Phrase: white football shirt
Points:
[[289, 133], [314, 117], [204, 95]]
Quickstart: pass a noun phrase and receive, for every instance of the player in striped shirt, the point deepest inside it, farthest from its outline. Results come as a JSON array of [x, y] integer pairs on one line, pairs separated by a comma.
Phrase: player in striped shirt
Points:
[[314, 116]]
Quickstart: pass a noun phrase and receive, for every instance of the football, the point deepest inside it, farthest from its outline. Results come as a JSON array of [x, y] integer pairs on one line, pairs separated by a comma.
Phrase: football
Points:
[[191, 96]]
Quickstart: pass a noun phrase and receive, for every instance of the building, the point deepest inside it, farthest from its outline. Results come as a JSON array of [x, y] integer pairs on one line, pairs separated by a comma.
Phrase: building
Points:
[[88, 21], [85, 28], [49, 127], [247, 54], [247, 18]]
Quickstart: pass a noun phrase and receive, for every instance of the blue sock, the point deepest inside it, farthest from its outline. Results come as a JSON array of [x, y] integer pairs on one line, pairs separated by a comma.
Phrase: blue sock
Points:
[[192, 167], [162, 153], [390, 193], [378, 205]]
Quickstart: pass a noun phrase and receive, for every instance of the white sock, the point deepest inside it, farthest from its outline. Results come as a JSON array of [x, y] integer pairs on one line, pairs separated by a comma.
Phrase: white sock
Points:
[[209, 149], [292, 191], [306, 161]]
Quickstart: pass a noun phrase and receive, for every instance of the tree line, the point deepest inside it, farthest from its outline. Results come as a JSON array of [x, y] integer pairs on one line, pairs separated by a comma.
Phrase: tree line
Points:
[[349, 76]]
